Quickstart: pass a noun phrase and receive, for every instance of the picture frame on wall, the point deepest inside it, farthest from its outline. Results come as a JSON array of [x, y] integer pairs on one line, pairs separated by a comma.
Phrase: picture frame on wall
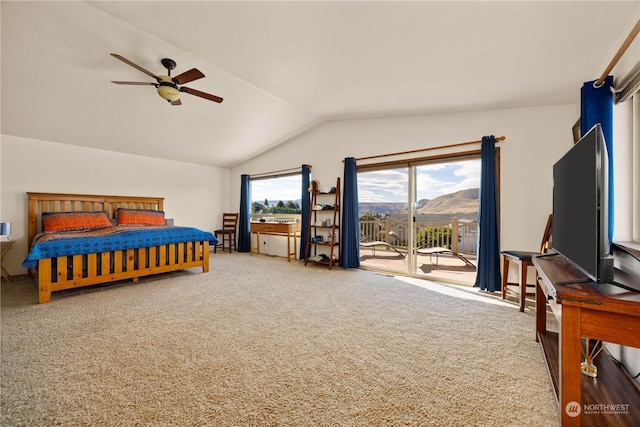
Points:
[[575, 129]]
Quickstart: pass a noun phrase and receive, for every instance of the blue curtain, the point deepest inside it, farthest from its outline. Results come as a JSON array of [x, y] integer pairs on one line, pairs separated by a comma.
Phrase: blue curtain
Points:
[[244, 233], [306, 202], [350, 231], [488, 271], [596, 106]]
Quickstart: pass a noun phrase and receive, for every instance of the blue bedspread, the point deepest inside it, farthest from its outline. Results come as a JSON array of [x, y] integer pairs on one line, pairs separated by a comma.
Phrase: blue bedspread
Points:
[[51, 245]]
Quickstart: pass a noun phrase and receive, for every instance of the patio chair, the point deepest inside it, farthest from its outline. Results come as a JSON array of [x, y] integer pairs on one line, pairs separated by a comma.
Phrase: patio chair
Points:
[[431, 251], [364, 242]]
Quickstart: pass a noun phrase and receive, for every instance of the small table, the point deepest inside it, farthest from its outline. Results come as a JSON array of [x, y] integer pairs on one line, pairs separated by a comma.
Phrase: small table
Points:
[[5, 248], [288, 229]]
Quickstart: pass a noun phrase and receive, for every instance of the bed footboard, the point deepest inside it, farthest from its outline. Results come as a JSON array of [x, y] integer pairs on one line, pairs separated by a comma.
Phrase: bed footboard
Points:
[[67, 272]]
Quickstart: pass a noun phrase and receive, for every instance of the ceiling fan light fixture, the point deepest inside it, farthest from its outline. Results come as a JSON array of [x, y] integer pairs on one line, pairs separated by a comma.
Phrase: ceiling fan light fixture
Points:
[[167, 89]]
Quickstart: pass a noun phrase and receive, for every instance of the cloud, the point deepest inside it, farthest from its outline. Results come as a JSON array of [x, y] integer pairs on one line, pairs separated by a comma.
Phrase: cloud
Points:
[[383, 186], [431, 181], [469, 172], [276, 189], [430, 186]]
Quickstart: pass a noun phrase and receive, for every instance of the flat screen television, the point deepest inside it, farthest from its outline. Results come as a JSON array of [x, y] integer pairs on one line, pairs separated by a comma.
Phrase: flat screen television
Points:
[[580, 199]]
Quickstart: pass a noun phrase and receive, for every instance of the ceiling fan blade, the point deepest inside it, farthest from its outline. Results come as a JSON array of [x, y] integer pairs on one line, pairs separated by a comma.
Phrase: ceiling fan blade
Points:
[[188, 76], [176, 102], [133, 83], [201, 94], [134, 65]]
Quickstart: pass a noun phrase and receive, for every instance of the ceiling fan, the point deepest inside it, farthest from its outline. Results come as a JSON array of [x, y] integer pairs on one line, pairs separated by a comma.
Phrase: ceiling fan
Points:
[[168, 87]]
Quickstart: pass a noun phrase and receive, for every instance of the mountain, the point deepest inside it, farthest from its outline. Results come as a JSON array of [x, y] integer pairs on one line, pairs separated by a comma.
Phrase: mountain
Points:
[[462, 204], [381, 208]]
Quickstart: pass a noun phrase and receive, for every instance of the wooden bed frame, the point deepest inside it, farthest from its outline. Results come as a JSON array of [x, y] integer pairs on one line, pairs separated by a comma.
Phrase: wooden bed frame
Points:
[[85, 267]]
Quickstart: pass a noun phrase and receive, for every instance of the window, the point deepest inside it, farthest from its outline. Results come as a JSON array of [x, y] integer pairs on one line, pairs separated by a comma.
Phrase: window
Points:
[[277, 195], [626, 154], [626, 181]]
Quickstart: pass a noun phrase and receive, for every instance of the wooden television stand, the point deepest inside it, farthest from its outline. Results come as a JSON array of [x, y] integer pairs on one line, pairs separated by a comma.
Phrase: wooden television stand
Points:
[[598, 311]]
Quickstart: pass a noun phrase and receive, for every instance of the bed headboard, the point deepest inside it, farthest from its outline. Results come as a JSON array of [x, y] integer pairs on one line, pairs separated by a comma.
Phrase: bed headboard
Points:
[[39, 203]]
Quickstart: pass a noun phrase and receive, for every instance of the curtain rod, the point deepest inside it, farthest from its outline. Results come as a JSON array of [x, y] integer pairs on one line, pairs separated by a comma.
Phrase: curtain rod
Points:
[[632, 35], [283, 171], [497, 138]]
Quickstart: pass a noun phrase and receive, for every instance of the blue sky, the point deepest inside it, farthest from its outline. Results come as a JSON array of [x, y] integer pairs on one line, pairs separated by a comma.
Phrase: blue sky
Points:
[[383, 186], [276, 189], [432, 181]]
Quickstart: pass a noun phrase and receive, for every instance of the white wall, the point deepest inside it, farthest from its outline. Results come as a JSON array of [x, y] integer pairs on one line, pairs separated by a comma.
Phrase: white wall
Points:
[[536, 138], [195, 195]]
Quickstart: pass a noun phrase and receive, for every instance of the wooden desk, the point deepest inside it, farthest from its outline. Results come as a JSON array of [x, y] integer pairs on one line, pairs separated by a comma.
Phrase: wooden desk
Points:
[[290, 230], [5, 248], [599, 311]]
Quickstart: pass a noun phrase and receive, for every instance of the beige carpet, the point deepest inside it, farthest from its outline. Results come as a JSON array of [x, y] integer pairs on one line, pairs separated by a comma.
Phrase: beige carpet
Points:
[[262, 342]]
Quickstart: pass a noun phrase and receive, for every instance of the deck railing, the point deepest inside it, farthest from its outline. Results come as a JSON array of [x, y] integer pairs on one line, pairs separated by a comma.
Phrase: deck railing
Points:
[[428, 234]]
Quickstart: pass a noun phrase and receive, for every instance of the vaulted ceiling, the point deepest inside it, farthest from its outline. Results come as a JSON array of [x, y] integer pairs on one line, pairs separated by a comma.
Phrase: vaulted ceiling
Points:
[[285, 67]]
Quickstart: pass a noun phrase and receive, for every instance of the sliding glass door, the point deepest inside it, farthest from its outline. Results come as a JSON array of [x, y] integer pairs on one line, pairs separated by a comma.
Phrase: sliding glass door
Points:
[[445, 218], [420, 218], [383, 202]]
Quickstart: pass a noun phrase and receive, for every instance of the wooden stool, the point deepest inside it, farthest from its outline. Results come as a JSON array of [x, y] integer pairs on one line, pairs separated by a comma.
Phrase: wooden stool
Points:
[[524, 260]]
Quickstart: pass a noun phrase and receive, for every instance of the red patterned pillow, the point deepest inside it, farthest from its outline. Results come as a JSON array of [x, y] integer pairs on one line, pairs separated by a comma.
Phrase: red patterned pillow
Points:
[[74, 221], [140, 217]]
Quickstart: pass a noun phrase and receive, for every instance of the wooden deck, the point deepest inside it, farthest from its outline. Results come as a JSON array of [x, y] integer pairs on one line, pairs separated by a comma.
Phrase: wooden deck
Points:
[[445, 267]]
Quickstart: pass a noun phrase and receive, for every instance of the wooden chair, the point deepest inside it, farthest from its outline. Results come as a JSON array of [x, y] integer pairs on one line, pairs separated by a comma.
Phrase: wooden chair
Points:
[[524, 261], [227, 232]]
